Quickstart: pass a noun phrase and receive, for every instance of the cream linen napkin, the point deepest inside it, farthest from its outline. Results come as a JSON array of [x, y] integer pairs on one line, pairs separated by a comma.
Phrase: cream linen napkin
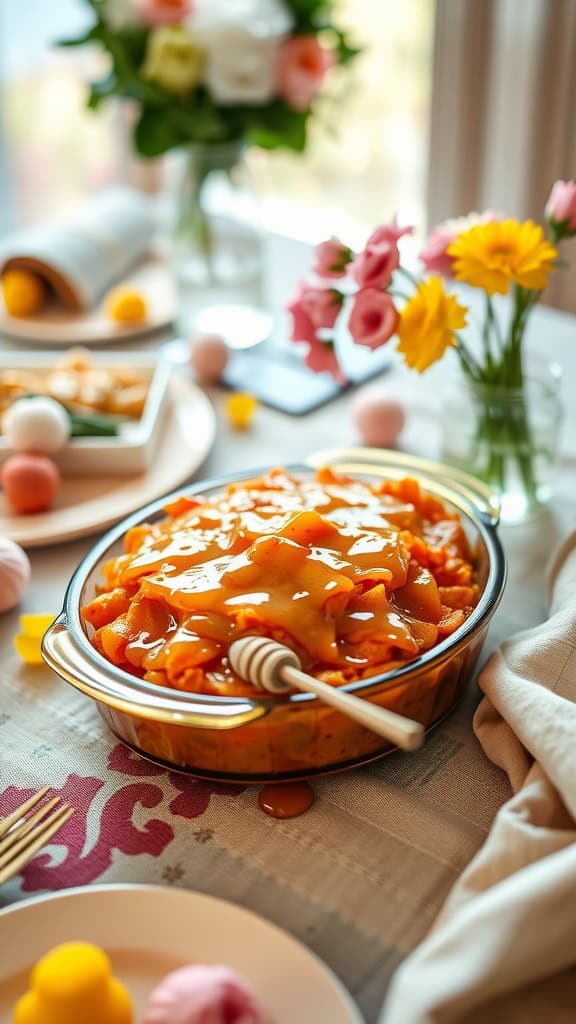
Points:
[[504, 946]]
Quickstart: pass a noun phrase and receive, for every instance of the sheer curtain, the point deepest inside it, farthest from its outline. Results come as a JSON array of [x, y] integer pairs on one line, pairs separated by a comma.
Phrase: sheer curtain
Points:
[[503, 119]]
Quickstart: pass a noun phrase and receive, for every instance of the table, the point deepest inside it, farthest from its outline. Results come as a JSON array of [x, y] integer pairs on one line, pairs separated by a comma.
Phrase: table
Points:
[[325, 876]]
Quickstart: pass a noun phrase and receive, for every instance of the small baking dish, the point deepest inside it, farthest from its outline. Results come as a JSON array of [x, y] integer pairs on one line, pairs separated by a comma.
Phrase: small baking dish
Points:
[[132, 450], [261, 737]]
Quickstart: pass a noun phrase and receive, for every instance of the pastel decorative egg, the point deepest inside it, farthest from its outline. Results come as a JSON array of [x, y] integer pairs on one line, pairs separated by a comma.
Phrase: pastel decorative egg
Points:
[[36, 424], [202, 993], [30, 482], [14, 573], [126, 306], [209, 357], [24, 293], [378, 417]]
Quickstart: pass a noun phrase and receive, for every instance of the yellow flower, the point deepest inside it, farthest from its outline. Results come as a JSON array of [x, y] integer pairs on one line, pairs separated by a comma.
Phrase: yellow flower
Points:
[[491, 255], [173, 59], [427, 324]]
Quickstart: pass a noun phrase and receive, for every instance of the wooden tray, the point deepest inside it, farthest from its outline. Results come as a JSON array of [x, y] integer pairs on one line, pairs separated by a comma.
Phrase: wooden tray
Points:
[[91, 504]]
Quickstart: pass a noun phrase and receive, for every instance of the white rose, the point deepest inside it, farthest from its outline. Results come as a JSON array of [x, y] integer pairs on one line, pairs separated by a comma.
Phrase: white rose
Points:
[[241, 39], [240, 69], [122, 13], [262, 19]]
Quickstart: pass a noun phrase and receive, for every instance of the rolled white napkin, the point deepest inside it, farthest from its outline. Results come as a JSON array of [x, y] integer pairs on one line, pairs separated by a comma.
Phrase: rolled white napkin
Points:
[[503, 948], [85, 253]]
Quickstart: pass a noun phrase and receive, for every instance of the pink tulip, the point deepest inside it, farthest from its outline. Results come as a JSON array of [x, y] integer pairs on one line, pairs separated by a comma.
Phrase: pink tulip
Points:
[[561, 205], [300, 70], [302, 327], [321, 358], [332, 258], [321, 304], [373, 319], [389, 233], [164, 12], [374, 266]]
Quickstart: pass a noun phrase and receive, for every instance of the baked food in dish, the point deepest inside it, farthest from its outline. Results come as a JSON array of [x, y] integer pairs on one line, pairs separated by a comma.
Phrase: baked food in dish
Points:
[[358, 577]]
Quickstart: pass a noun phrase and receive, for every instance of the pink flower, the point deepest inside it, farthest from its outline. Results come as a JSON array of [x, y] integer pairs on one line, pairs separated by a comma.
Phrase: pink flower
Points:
[[164, 12], [435, 256], [303, 328], [321, 304], [332, 258], [321, 358], [300, 69], [373, 319], [374, 266], [389, 233], [561, 205]]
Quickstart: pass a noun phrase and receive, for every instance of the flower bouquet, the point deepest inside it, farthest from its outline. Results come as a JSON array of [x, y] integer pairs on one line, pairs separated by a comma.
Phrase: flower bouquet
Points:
[[208, 78], [503, 426], [216, 71]]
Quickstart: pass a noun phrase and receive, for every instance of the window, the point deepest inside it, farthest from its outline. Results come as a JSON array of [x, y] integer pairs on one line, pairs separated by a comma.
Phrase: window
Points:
[[367, 155]]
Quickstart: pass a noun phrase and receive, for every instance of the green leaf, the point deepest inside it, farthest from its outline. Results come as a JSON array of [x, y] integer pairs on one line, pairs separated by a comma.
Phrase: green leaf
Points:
[[101, 90], [161, 129], [345, 52], [92, 35], [278, 125], [94, 426], [154, 133], [309, 15]]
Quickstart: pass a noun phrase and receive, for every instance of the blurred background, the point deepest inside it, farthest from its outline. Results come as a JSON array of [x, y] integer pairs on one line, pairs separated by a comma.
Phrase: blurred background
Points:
[[454, 105]]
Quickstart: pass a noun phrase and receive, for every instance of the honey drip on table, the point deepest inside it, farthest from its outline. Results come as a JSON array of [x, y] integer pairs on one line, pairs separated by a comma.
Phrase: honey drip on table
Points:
[[286, 799]]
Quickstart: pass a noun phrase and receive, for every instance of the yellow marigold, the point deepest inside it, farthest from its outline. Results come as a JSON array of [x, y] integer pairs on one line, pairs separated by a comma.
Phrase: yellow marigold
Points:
[[491, 255], [427, 324]]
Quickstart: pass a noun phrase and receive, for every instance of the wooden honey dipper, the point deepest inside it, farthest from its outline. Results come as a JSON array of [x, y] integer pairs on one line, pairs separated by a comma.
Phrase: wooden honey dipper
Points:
[[273, 667]]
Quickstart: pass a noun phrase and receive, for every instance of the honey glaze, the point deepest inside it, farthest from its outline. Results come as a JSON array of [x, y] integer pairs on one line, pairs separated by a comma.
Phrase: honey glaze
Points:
[[286, 799], [354, 577]]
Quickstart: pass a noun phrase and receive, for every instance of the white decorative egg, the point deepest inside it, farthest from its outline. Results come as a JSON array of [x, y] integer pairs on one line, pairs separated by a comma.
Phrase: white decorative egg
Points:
[[378, 417], [36, 424], [15, 573], [209, 357]]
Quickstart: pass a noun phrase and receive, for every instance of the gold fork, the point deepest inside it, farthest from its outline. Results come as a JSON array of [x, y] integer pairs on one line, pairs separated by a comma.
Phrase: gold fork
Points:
[[21, 837]]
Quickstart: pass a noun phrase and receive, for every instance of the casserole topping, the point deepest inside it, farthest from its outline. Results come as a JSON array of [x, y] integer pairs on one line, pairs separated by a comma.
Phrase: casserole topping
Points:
[[357, 577]]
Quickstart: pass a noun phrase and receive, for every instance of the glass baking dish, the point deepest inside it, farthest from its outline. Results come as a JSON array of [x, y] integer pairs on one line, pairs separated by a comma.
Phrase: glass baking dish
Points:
[[262, 738]]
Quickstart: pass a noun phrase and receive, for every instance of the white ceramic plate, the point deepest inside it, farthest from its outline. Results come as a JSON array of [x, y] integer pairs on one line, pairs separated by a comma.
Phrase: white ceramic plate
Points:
[[149, 931], [88, 504], [55, 326]]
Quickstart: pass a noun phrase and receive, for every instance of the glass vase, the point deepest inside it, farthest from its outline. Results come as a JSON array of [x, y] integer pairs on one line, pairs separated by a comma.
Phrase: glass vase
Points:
[[216, 246], [508, 437]]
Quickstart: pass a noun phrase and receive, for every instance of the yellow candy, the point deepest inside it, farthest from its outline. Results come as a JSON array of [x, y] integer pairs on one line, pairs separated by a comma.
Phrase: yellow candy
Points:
[[35, 625], [24, 293], [28, 647], [28, 642], [126, 306], [240, 409], [73, 984]]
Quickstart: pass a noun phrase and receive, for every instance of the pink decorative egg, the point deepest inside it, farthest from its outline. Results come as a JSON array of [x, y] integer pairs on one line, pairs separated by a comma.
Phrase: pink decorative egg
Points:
[[203, 994], [378, 417], [209, 357], [30, 482], [14, 573]]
